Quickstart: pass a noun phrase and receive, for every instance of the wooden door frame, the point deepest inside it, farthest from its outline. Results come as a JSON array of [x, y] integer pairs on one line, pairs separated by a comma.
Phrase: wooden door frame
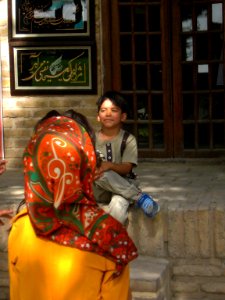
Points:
[[110, 61], [109, 57]]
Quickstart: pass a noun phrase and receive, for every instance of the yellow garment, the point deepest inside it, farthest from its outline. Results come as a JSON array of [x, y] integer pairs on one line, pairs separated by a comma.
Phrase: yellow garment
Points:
[[43, 270]]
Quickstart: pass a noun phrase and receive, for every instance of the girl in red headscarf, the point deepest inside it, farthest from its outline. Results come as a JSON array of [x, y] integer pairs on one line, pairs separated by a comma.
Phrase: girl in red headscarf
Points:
[[63, 246]]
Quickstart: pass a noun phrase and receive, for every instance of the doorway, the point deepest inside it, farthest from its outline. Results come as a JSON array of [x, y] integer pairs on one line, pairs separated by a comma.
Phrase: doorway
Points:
[[167, 58]]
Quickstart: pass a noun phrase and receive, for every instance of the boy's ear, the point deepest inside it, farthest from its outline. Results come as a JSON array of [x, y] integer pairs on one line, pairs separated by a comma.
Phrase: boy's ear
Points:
[[123, 117]]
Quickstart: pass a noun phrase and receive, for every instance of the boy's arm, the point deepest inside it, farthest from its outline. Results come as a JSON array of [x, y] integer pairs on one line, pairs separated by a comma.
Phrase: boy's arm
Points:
[[123, 168], [128, 160]]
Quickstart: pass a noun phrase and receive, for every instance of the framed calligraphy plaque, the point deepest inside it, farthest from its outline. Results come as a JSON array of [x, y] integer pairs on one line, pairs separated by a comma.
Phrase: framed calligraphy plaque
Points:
[[52, 70], [51, 18]]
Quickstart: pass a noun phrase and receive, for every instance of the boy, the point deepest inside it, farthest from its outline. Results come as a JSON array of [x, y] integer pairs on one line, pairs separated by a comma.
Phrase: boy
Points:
[[115, 187]]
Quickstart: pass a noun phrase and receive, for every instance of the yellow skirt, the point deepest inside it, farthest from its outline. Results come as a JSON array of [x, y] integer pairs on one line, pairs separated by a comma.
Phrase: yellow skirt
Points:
[[43, 270]]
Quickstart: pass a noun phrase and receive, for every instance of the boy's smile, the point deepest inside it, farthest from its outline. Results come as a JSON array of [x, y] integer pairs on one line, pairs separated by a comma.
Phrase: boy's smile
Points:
[[110, 115]]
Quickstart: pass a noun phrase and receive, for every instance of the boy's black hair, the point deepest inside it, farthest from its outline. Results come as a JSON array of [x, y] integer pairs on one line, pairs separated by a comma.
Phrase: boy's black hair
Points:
[[116, 98]]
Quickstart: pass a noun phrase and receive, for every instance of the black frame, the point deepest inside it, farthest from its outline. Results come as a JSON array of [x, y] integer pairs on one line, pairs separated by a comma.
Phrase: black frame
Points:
[[52, 70], [49, 23], [60, 43]]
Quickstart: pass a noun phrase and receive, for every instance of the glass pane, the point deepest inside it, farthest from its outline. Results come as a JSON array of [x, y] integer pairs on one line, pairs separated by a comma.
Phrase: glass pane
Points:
[[154, 18], [187, 48], [203, 135], [130, 101], [143, 136], [202, 50], [188, 107], [186, 15], [202, 77], [142, 106], [156, 77], [158, 136], [218, 135], [218, 106], [217, 46], [139, 18], [217, 13], [202, 18], [187, 77], [141, 77], [203, 108], [125, 48], [129, 128], [157, 107], [155, 48], [126, 77], [140, 48], [217, 75], [125, 18], [189, 136]]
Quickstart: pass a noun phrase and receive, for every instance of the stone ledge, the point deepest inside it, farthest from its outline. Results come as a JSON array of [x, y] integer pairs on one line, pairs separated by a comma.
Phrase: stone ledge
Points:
[[149, 278]]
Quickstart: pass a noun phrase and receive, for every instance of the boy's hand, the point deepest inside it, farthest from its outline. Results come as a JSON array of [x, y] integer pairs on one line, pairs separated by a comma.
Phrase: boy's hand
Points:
[[100, 170], [97, 174]]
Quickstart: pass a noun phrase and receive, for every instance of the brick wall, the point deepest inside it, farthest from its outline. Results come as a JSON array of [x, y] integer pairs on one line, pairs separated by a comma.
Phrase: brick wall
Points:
[[21, 113]]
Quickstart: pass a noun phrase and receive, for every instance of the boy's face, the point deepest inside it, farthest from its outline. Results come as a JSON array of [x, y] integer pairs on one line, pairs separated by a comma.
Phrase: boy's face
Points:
[[110, 115]]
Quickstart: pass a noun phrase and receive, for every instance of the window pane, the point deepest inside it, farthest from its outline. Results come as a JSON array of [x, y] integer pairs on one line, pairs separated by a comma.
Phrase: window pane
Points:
[[218, 106], [217, 13], [155, 48], [143, 136], [187, 77], [203, 108], [125, 48], [139, 18], [203, 135], [156, 77], [187, 48], [125, 19], [218, 135], [129, 128], [186, 15], [158, 136], [188, 107], [130, 101], [154, 18], [202, 77], [202, 51], [141, 77], [140, 48], [189, 136], [202, 18], [157, 107], [217, 75], [142, 106], [126, 77]]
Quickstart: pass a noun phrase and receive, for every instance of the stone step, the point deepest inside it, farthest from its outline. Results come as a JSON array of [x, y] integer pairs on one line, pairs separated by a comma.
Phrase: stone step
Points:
[[144, 296], [149, 278]]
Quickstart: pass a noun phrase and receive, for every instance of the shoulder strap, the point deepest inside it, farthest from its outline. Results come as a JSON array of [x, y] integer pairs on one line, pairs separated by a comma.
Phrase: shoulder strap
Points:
[[124, 141]]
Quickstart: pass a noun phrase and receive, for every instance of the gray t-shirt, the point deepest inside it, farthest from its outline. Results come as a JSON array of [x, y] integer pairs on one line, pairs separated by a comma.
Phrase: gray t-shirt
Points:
[[111, 149]]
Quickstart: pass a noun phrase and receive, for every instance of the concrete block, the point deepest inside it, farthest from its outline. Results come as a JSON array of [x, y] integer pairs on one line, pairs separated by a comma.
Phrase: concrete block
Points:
[[151, 276]]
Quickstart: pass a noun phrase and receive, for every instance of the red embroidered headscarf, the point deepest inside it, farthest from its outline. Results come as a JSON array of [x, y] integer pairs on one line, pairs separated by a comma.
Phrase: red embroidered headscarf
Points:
[[59, 164]]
